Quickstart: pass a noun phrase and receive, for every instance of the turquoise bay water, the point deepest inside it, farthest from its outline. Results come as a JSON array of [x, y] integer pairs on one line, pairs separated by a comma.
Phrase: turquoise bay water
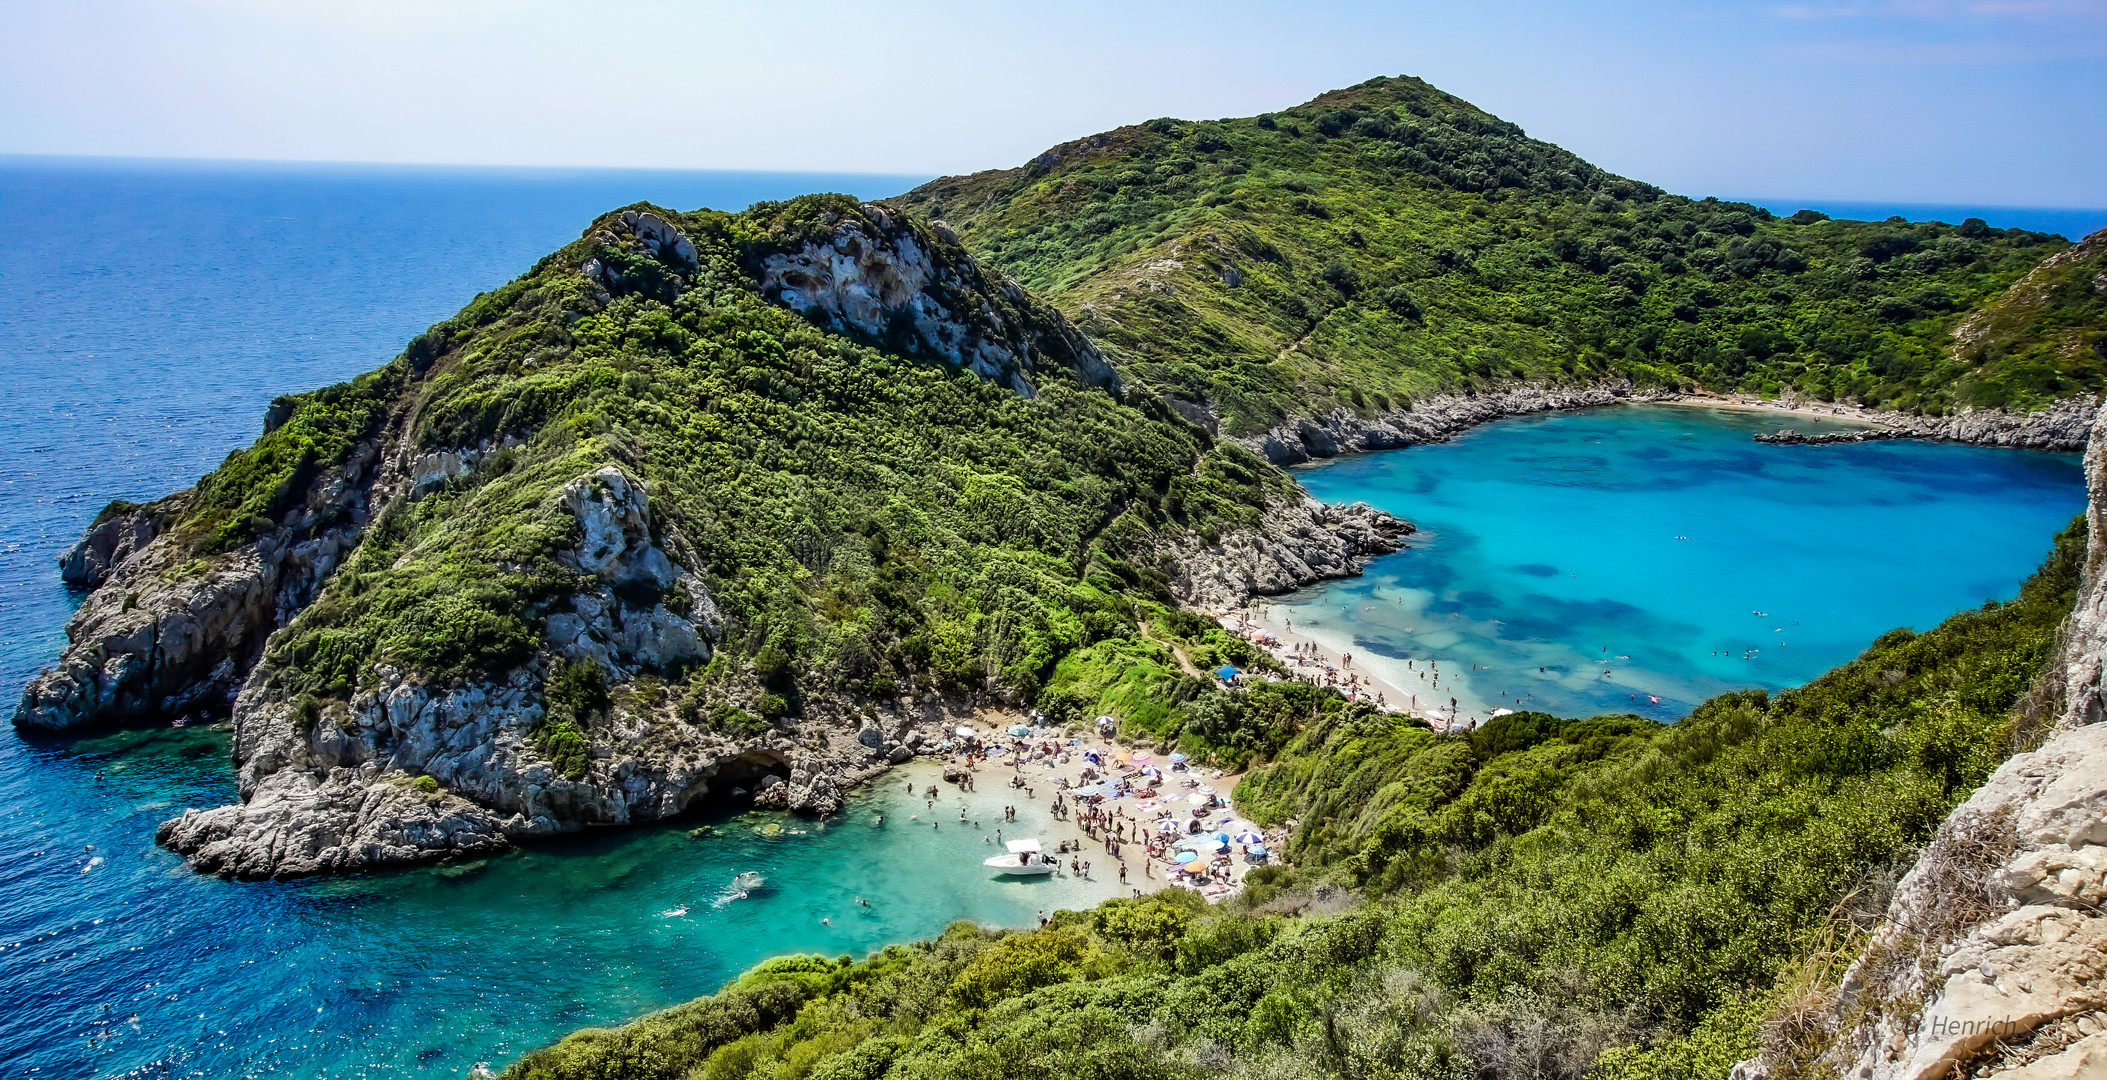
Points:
[[1642, 541], [119, 962], [149, 311]]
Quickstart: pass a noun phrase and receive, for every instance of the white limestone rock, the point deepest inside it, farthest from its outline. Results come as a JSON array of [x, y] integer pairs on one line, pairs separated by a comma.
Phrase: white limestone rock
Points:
[[876, 276], [164, 632]]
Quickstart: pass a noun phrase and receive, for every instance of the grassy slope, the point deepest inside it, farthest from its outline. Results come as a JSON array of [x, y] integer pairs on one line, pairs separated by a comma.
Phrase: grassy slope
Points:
[[1543, 897], [866, 520], [1388, 241]]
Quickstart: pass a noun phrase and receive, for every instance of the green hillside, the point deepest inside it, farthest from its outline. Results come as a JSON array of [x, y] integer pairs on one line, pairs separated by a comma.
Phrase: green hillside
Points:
[[868, 518], [1540, 898], [1389, 241], [1544, 897], [884, 461]]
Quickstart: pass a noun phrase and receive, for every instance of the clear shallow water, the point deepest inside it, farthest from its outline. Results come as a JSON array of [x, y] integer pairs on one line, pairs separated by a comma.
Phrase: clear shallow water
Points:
[[121, 963], [1643, 540], [148, 312]]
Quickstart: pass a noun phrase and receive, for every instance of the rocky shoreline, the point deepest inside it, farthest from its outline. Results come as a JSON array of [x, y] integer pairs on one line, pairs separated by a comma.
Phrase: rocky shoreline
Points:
[[2064, 426], [1434, 419], [1301, 543]]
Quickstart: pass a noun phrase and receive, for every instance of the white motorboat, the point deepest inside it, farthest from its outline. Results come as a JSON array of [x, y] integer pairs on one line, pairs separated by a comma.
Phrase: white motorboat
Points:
[[1024, 859]]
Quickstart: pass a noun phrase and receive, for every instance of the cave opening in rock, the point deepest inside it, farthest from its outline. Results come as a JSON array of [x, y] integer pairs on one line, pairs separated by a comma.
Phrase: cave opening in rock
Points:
[[739, 779]]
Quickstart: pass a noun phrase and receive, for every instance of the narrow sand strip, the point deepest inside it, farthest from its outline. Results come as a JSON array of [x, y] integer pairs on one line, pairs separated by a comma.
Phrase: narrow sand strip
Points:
[[1316, 662]]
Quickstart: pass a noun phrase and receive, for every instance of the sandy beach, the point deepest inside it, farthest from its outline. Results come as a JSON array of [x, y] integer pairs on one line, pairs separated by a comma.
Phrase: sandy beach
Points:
[[1327, 665], [1039, 783], [1836, 412]]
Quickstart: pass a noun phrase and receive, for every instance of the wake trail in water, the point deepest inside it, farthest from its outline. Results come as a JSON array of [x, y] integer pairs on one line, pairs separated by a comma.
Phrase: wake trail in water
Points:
[[743, 886]]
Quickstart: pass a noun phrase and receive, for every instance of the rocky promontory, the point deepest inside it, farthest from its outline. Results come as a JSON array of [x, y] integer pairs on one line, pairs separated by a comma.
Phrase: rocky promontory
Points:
[[701, 508], [1794, 437], [2063, 426], [1302, 542]]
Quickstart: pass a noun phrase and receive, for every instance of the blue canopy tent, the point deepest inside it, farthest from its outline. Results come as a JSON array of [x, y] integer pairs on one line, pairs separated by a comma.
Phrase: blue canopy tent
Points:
[[1227, 673]]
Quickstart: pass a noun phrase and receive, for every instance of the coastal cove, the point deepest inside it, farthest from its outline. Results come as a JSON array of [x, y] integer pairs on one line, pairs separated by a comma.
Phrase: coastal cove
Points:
[[143, 968], [1660, 544], [138, 967]]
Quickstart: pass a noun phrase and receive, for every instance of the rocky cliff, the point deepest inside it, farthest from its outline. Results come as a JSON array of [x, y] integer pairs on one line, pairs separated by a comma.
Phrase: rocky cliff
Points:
[[168, 631], [1991, 960], [873, 273], [485, 593]]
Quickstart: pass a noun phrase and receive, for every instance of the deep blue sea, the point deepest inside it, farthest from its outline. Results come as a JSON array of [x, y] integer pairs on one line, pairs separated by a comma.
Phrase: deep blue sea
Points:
[[150, 310], [2070, 222], [1641, 558]]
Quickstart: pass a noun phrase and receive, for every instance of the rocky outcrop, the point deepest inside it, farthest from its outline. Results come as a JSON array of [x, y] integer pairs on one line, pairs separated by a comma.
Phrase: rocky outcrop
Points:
[[2082, 669], [411, 773], [166, 632], [1792, 437], [876, 275], [338, 787], [2064, 426], [119, 533], [1431, 420], [1301, 542], [1992, 956], [647, 610], [668, 258]]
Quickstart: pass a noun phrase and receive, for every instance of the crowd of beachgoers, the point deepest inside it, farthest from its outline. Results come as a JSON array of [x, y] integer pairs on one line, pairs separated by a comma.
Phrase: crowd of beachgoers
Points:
[[1158, 820]]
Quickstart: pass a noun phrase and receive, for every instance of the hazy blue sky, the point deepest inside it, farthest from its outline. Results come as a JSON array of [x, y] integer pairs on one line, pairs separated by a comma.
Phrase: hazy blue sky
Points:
[[2000, 102]]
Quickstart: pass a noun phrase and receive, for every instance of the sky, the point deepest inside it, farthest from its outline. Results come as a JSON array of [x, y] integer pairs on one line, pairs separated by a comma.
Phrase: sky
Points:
[[1996, 102]]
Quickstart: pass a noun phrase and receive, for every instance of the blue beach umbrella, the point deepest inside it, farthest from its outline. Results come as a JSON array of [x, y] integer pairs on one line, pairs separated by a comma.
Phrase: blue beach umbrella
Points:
[[1249, 838], [1188, 856], [1179, 757]]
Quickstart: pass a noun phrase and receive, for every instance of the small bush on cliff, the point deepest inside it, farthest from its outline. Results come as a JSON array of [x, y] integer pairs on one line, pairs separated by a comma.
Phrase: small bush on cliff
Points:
[[577, 687], [564, 746]]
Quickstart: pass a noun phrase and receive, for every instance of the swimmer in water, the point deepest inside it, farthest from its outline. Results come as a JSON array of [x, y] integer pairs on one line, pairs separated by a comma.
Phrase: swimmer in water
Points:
[[824, 921]]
